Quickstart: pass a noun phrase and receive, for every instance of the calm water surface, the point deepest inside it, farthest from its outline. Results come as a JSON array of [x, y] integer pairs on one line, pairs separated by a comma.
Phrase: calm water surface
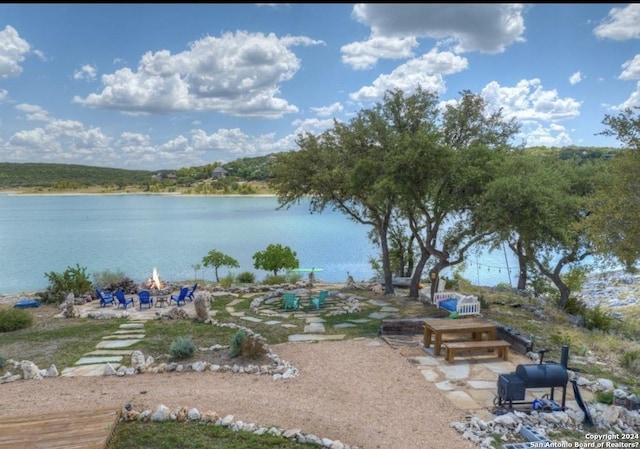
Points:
[[135, 233]]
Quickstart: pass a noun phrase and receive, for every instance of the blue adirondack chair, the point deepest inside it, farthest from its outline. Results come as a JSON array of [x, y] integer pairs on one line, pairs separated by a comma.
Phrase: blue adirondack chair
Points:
[[291, 301], [144, 297], [190, 296], [106, 298], [123, 300], [318, 301], [181, 297]]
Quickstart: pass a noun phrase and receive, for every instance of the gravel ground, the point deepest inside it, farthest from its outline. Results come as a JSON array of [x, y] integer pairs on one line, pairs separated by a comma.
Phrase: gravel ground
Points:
[[361, 392]]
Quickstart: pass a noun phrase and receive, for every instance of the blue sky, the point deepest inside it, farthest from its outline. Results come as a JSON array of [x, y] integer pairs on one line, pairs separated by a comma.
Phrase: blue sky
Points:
[[153, 86]]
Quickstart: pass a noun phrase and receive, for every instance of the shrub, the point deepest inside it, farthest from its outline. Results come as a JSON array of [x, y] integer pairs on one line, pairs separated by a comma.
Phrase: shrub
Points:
[[604, 397], [72, 280], [243, 345], [236, 343], [227, 281], [182, 348], [574, 306], [14, 319], [274, 280], [246, 277], [3, 361], [631, 361], [598, 318], [106, 278], [293, 277]]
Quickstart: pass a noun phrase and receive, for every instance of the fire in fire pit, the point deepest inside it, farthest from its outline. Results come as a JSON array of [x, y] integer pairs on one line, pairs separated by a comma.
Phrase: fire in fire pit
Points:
[[154, 282]]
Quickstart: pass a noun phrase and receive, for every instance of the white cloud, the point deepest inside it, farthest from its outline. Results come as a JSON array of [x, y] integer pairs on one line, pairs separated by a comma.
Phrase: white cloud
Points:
[[33, 112], [621, 24], [237, 74], [57, 140], [312, 125], [364, 55], [632, 102], [86, 72], [487, 28], [529, 101], [575, 78], [631, 69], [4, 93], [552, 136], [328, 111], [425, 71], [12, 52]]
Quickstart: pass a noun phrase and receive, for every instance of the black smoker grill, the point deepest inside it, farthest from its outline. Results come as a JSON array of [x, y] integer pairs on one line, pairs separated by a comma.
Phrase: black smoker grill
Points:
[[512, 387]]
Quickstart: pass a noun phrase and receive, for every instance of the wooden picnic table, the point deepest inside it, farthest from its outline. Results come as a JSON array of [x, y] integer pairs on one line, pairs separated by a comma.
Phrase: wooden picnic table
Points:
[[437, 327]]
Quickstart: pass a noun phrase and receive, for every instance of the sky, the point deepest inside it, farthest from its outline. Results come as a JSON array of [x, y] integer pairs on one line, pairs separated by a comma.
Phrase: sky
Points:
[[165, 86]]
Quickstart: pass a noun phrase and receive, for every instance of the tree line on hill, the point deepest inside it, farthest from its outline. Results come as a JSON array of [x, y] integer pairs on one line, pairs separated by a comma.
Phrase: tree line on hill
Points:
[[73, 176]]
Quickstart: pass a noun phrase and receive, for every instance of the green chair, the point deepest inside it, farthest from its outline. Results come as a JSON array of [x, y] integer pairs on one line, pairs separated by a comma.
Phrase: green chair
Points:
[[291, 301], [318, 301]]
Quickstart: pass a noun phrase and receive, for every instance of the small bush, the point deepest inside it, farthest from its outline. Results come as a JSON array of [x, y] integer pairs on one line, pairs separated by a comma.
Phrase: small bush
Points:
[[14, 319], [274, 280], [631, 361], [243, 345], [227, 281], [104, 279], [236, 343], [598, 318], [73, 279], [3, 361], [246, 277], [182, 348], [574, 306], [604, 397]]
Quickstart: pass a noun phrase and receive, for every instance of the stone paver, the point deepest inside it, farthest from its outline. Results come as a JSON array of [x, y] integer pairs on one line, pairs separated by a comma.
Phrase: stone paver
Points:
[[251, 318], [314, 328], [99, 359], [116, 344], [132, 326], [430, 374], [316, 337], [123, 352], [462, 400], [87, 370], [137, 336]]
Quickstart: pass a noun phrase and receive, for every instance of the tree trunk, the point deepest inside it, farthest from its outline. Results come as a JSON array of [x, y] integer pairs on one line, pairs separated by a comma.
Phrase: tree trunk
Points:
[[414, 290], [522, 266], [386, 263]]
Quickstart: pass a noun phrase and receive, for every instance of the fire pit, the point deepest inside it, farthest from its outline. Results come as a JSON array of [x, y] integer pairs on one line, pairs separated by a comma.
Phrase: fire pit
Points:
[[155, 285]]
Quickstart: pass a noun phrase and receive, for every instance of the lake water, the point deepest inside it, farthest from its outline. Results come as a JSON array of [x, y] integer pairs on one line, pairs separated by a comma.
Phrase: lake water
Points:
[[135, 233]]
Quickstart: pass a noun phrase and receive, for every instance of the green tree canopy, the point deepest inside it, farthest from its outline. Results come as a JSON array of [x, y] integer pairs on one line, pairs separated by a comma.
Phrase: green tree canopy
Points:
[[216, 259], [613, 224], [275, 258], [538, 205]]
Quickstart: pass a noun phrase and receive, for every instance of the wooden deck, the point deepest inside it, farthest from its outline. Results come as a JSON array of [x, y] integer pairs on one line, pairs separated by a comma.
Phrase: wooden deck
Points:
[[83, 429]]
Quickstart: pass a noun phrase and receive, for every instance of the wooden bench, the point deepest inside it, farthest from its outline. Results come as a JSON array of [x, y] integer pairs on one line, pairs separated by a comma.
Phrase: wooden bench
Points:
[[500, 345]]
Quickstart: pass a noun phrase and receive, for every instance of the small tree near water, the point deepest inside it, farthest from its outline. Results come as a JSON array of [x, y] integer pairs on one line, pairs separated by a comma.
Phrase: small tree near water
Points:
[[216, 259], [73, 279], [275, 258]]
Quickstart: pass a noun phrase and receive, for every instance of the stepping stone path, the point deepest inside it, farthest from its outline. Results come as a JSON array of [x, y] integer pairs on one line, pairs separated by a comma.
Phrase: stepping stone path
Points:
[[109, 352]]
